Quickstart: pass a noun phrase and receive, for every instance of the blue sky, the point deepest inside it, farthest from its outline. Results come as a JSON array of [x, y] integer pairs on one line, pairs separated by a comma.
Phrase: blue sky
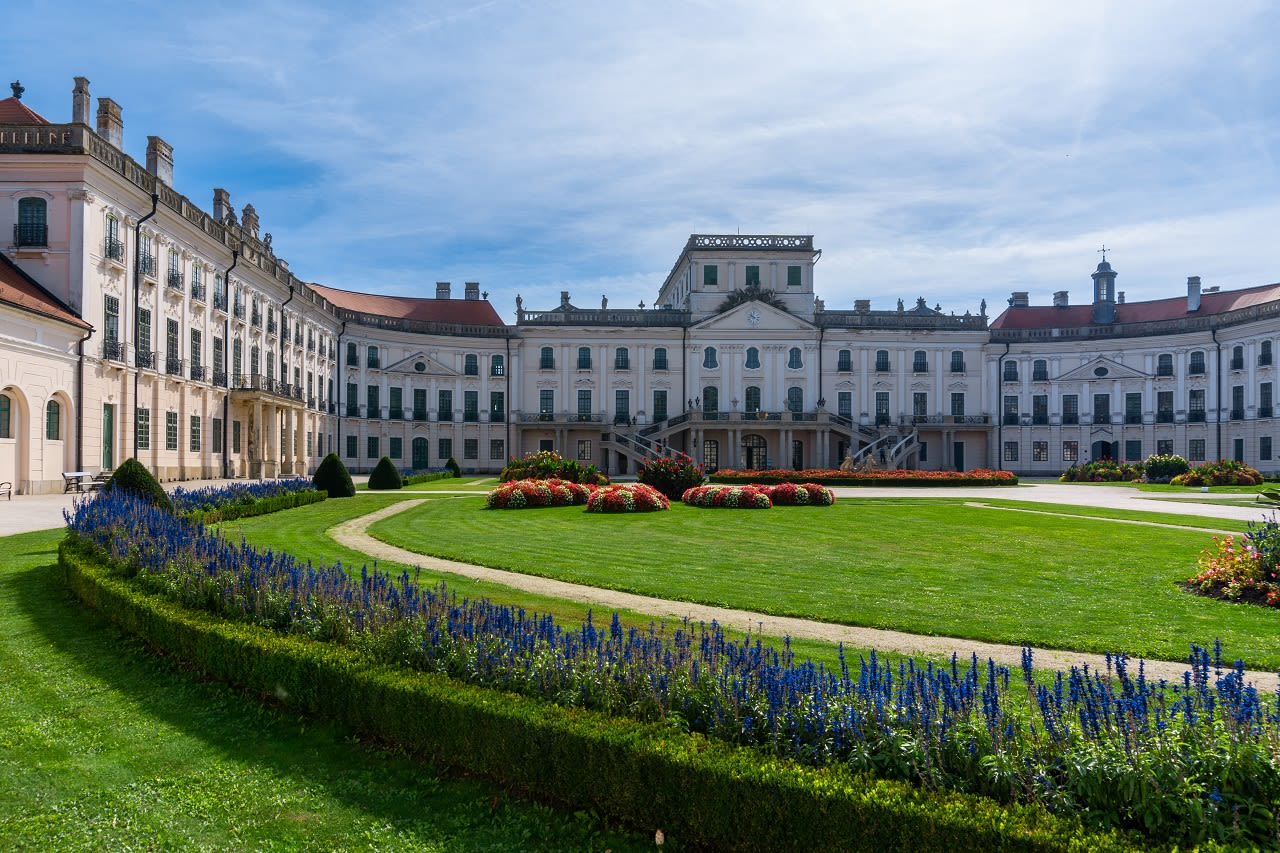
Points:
[[955, 151]]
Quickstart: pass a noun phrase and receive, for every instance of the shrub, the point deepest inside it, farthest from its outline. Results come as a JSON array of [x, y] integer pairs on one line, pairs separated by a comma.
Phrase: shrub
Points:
[[132, 476], [1103, 471], [549, 465], [799, 494], [627, 497], [385, 476], [1224, 472], [412, 477], [1163, 468], [212, 504], [333, 478], [522, 494], [452, 466], [671, 475], [728, 497]]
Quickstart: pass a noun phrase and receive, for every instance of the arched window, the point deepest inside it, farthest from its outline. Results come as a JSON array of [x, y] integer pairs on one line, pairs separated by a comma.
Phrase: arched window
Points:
[[710, 399], [471, 364], [53, 421], [497, 366], [660, 358], [709, 358], [795, 399], [957, 361], [584, 358], [1195, 365], [753, 358], [112, 248], [844, 361], [547, 359], [919, 361], [794, 361], [6, 416], [1040, 370], [1237, 358], [753, 399], [33, 224], [1164, 364], [1011, 371], [419, 451], [621, 359], [882, 361]]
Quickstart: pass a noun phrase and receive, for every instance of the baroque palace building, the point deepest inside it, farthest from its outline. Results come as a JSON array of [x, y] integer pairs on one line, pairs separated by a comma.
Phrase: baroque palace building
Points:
[[134, 323]]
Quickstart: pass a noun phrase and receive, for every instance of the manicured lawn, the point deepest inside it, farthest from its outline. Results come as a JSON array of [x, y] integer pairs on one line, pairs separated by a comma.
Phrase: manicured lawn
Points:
[[104, 746], [925, 566]]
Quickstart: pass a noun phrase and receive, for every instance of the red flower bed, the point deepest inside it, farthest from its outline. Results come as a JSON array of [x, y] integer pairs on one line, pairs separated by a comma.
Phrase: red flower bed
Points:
[[836, 477], [627, 497], [728, 497], [799, 494], [522, 494]]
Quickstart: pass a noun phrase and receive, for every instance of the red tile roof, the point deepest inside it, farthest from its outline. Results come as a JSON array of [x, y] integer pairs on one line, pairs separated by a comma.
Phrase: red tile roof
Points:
[[470, 312], [1049, 317], [22, 291], [13, 111]]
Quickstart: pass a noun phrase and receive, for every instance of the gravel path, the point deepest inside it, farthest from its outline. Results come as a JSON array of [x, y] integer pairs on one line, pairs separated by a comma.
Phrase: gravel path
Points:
[[354, 534]]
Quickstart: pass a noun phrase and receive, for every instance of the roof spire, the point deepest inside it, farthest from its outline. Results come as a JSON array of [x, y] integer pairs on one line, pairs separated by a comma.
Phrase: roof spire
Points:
[[1103, 250], [18, 89]]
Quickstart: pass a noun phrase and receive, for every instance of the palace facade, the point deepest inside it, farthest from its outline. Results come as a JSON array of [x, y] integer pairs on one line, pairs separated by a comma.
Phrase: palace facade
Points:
[[135, 323]]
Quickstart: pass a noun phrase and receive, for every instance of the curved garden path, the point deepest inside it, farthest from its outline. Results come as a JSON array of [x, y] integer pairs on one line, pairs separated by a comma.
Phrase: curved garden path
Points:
[[354, 534]]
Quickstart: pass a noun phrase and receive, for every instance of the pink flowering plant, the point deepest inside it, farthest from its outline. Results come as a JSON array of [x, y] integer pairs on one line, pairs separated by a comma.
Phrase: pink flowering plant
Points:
[[627, 497], [1243, 569], [522, 494], [799, 494], [728, 497]]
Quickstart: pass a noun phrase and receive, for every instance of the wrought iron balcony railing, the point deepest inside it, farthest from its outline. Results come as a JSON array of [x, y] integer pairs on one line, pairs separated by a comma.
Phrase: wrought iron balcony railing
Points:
[[113, 350], [174, 280], [220, 378], [1164, 417], [1196, 416], [198, 291], [147, 265], [173, 366], [353, 410], [198, 372], [220, 301], [1070, 419], [112, 249], [144, 360], [31, 234]]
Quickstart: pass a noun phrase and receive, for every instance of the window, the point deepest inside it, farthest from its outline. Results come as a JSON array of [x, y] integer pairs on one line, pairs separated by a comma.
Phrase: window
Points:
[[957, 361], [1164, 446], [710, 399], [174, 279], [752, 403], [112, 247], [1040, 370], [1264, 354], [373, 359], [621, 359], [793, 275], [919, 406], [352, 359], [753, 275], [373, 402], [471, 406], [1196, 366], [53, 421], [844, 404], [882, 407], [1039, 451], [497, 366], [797, 454], [215, 433], [584, 404], [1011, 371], [111, 319], [660, 358], [1070, 451], [1133, 408], [195, 434], [1164, 407], [497, 406], [142, 428], [1237, 402], [844, 361], [584, 358], [497, 450], [1070, 409], [371, 446], [237, 356], [919, 362], [471, 364], [711, 454], [584, 450], [621, 406], [1164, 364], [1237, 358], [32, 228], [1040, 409], [1133, 450], [709, 358], [219, 359], [197, 348], [1264, 400], [255, 358], [1102, 408], [753, 358], [444, 405], [710, 275], [445, 448], [170, 430], [395, 401], [353, 407], [1011, 451], [197, 285], [659, 406], [547, 359], [546, 402], [794, 361], [1264, 448], [351, 447], [957, 405], [471, 448], [142, 354], [795, 399], [235, 437], [1011, 410], [420, 409], [882, 361], [1195, 450], [271, 363]]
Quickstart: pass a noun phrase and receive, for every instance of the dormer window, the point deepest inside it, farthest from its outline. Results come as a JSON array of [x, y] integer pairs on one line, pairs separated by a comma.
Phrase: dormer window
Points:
[[709, 358], [753, 358]]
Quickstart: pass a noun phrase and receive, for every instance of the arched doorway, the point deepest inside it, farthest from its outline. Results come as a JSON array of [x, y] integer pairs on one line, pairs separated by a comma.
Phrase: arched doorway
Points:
[[419, 454], [755, 451], [1104, 450], [14, 438]]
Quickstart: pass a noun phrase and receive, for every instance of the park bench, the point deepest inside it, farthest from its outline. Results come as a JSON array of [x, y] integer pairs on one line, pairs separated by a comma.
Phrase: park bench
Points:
[[6, 488]]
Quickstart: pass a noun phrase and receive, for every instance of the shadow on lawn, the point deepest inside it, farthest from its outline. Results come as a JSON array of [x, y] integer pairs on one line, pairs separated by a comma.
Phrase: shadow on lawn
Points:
[[410, 794]]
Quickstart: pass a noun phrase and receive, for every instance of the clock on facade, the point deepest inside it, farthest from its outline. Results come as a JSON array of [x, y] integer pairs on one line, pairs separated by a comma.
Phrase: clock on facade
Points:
[[753, 317]]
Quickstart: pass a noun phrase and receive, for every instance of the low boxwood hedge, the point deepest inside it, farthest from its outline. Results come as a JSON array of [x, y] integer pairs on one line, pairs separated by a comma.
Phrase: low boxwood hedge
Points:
[[976, 477], [647, 775], [262, 506]]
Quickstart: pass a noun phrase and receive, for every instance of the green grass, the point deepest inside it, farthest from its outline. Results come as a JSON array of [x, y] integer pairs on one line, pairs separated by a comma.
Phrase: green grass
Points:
[[924, 566], [104, 746]]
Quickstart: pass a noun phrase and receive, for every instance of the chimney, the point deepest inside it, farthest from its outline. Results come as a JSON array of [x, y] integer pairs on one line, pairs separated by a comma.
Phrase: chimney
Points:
[[1060, 299], [1019, 299], [80, 101], [221, 204], [1193, 293], [110, 124], [862, 306], [442, 290], [160, 159], [564, 299], [1120, 298], [472, 290]]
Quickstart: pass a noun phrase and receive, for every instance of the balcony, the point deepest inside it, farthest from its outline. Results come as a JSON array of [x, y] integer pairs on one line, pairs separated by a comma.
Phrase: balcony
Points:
[[311, 402], [1010, 419], [237, 311], [1070, 419], [1040, 376], [883, 419], [353, 410], [255, 319], [174, 280], [113, 350], [1196, 416], [1132, 418], [272, 327], [1195, 370], [1165, 370], [1264, 360], [147, 265], [199, 372], [220, 301], [198, 291], [113, 250], [1164, 417], [1103, 418], [31, 234], [471, 417], [220, 378], [144, 360], [173, 366], [1237, 414], [1039, 420], [311, 346], [497, 417], [445, 416], [1237, 364], [1265, 412], [397, 413]]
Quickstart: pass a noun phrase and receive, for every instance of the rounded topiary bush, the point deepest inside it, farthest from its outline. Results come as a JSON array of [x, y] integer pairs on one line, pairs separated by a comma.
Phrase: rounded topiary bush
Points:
[[627, 497], [1164, 467], [385, 475], [522, 494], [133, 476], [333, 478], [799, 494]]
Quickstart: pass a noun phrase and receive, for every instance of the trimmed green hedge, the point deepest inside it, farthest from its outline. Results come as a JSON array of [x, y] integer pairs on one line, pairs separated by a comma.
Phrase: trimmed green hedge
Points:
[[428, 477], [230, 512], [869, 480], [701, 791]]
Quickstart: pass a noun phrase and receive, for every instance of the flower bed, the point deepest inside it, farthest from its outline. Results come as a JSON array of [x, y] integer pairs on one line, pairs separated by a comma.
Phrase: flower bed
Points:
[[728, 497], [1103, 471], [1224, 472], [836, 477], [627, 497], [799, 494], [1247, 571], [549, 465], [671, 475], [524, 494]]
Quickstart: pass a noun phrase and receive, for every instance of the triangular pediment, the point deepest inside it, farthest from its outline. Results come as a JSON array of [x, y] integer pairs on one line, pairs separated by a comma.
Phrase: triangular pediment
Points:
[[1101, 368], [754, 316], [420, 364]]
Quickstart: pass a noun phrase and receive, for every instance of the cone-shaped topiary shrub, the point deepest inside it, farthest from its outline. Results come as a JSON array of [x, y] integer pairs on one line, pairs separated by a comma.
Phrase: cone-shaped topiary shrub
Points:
[[385, 475], [333, 478], [133, 476], [452, 465]]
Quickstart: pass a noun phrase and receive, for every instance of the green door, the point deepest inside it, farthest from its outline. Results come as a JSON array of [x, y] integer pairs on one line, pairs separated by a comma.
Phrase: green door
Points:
[[108, 437], [957, 453], [420, 454]]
